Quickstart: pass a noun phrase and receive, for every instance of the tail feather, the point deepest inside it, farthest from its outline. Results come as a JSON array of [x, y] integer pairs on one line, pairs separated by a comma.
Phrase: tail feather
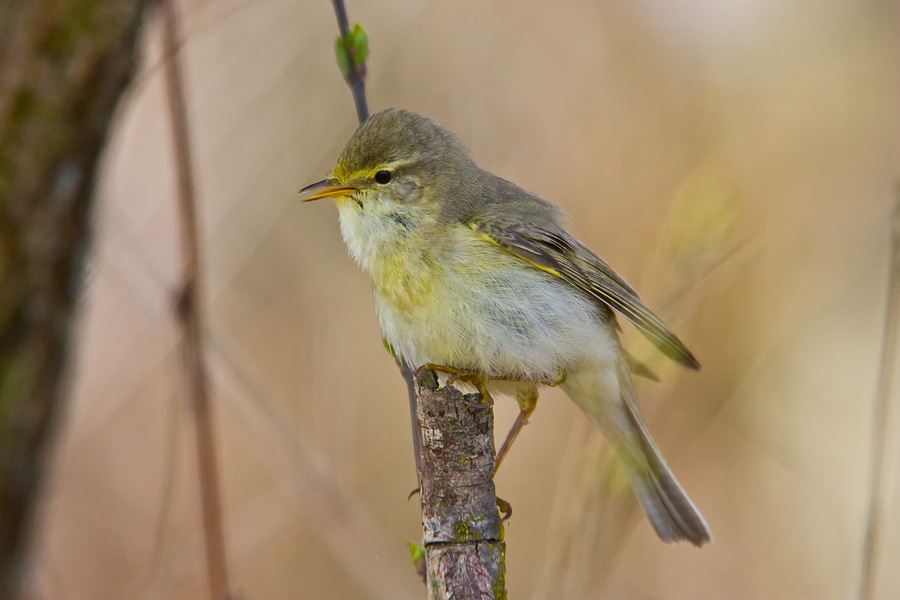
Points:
[[669, 509], [609, 400]]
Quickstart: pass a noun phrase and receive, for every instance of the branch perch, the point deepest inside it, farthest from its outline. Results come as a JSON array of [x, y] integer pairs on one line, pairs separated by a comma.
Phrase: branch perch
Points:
[[465, 554]]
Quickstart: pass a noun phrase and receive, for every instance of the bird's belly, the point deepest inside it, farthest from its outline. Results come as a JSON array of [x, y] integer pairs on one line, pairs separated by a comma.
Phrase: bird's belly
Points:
[[506, 321]]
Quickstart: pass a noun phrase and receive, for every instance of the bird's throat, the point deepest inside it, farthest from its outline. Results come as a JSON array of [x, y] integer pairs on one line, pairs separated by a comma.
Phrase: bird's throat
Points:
[[394, 250]]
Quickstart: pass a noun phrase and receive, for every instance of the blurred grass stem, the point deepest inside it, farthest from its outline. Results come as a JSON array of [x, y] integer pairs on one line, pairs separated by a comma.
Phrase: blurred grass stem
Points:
[[188, 314], [880, 412]]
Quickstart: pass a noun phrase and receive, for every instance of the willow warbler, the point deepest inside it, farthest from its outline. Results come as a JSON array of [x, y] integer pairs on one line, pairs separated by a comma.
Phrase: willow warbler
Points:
[[471, 272]]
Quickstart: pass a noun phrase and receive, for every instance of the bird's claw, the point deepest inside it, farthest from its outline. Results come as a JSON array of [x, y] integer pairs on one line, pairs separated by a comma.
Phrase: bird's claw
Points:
[[505, 509]]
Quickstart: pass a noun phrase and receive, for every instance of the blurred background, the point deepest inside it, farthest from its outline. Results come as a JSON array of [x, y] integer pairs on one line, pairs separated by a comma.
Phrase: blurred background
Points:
[[737, 162]]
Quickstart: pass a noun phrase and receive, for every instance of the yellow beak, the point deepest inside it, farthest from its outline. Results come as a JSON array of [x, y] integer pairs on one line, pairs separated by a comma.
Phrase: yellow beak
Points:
[[327, 188]]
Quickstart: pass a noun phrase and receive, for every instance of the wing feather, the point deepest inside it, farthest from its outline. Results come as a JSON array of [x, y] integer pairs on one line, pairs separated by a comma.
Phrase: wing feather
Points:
[[562, 255]]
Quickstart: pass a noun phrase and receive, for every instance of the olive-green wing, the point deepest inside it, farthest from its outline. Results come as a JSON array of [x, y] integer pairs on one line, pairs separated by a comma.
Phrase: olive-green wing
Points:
[[562, 255]]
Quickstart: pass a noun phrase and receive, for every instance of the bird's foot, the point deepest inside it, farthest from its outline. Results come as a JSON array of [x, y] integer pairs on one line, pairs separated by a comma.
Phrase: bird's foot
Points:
[[558, 380], [477, 380]]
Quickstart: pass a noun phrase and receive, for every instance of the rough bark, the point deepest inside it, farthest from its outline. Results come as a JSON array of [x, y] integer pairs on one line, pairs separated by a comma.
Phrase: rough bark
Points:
[[463, 539], [63, 67]]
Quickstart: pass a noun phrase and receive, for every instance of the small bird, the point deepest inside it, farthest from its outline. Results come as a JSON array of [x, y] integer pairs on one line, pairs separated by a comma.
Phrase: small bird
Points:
[[472, 273]]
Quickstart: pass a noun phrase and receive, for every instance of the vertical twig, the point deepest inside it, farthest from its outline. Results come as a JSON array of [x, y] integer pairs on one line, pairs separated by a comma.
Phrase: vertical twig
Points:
[[188, 314], [355, 77], [880, 411], [355, 74], [356, 80], [411, 391], [453, 438]]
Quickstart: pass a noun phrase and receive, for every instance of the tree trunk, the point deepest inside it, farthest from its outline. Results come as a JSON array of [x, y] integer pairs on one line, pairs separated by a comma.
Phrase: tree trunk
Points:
[[63, 67]]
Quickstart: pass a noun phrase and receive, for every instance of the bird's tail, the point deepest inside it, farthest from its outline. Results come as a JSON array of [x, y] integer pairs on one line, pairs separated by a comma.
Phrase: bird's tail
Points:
[[671, 513]]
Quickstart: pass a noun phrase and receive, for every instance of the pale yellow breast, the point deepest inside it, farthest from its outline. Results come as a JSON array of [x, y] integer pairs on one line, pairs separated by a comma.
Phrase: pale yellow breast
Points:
[[469, 304]]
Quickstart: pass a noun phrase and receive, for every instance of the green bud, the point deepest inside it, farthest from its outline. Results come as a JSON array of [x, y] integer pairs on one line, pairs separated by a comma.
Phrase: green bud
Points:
[[355, 45], [417, 552]]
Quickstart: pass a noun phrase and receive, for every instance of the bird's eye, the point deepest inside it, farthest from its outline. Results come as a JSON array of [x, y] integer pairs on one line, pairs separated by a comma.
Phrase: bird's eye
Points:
[[383, 177]]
